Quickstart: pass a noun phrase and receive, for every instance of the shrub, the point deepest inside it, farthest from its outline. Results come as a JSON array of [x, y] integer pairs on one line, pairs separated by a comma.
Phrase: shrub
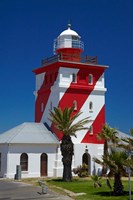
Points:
[[81, 171], [97, 181]]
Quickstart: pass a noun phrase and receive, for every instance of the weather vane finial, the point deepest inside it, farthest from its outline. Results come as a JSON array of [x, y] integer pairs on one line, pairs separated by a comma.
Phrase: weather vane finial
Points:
[[69, 24]]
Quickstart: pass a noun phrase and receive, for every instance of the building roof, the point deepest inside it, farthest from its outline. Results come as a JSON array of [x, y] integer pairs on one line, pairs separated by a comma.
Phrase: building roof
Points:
[[123, 135], [29, 133]]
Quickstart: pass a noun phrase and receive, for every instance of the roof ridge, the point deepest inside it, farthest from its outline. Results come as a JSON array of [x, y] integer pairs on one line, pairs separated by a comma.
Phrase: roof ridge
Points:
[[49, 129], [17, 133], [41, 131]]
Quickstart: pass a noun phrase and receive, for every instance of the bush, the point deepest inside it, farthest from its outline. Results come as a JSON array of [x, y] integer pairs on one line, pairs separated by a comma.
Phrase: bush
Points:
[[97, 181], [81, 171]]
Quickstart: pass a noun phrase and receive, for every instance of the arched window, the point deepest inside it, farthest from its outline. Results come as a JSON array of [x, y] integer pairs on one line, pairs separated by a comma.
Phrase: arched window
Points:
[[24, 162], [51, 105], [91, 130], [42, 107], [74, 78], [75, 104], [90, 105], [90, 79]]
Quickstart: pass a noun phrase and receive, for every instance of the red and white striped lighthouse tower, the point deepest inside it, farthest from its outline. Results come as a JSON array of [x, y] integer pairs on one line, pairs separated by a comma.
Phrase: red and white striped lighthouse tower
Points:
[[67, 78]]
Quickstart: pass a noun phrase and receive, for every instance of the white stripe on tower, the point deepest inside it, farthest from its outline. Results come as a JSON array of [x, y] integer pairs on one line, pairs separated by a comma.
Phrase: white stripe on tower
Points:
[[58, 89], [39, 81]]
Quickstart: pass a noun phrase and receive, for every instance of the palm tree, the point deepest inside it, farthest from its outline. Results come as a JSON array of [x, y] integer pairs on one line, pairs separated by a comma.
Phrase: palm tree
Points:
[[115, 158], [63, 120], [109, 135], [131, 131], [127, 143], [116, 162]]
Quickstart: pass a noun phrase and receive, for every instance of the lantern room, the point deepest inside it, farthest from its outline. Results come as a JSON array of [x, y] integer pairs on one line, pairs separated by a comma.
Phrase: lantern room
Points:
[[69, 45]]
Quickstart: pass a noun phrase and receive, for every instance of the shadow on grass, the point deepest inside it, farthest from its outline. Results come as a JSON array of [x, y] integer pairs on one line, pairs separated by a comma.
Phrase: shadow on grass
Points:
[[125, 193], [56, 180], [61, 180]]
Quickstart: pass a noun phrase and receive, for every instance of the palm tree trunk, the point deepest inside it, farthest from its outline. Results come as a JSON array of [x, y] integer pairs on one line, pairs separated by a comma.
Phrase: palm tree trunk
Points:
[[67, 153], [118, 187], [105, 153], [67, 172], [105, 148]]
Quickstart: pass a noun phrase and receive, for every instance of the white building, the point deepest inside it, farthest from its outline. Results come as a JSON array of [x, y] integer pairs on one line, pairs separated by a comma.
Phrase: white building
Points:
[[30, 145]]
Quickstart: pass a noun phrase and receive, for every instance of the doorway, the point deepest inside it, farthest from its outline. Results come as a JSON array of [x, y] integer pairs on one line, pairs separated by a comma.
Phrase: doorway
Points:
[[44, 160], [86, 159]]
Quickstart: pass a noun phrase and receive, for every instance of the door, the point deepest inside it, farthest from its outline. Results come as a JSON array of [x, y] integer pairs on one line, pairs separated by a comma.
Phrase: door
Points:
[[86, 159], [43, 164]]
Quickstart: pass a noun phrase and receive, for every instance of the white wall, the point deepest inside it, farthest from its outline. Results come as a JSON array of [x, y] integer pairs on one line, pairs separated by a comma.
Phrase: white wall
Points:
[[11, 158], [3, 151], [95, 150], [34, 153]]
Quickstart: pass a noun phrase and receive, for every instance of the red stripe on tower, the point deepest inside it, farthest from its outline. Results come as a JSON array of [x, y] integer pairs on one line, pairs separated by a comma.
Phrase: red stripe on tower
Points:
[[44, 93], [97, 127]]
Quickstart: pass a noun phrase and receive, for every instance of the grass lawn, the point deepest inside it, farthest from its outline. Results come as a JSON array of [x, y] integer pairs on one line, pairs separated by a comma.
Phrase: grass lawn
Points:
[[80, 185]]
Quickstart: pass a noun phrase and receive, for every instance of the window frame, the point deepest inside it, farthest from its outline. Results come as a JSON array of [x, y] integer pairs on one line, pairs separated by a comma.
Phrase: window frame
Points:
[[90, 79], [42, 107], [51, 105], [90, 106], [24, 161], [74, 78], [91, 130], [75, 104]]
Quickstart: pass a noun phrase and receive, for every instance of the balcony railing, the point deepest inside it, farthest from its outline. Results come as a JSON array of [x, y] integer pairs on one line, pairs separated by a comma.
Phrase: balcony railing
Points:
[[70, 58]]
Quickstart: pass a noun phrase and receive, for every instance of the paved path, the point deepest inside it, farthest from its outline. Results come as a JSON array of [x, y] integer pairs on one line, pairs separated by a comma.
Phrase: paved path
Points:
[[12, 190]]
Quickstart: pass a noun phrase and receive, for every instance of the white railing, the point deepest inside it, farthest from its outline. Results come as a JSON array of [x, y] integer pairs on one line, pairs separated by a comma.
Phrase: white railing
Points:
[[70, 57]]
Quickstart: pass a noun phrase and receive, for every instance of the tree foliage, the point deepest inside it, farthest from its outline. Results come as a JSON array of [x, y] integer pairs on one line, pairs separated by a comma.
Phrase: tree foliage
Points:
[[64, 121], [97, 181], [115, 159], [82, 170], [109, 135]]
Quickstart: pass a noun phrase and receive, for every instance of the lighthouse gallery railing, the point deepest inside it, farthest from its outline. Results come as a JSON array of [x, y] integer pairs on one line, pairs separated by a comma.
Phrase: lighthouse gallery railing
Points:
[[65, 56]]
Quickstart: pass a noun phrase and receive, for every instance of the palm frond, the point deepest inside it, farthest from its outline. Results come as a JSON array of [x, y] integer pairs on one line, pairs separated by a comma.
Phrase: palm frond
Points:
[[96, 160], [54, 118], [131, 131], [127, 145], [58, 113], [64, 120]]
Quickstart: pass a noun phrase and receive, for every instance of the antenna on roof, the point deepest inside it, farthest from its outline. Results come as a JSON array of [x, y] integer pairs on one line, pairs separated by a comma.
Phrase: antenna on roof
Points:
[[69, 24]]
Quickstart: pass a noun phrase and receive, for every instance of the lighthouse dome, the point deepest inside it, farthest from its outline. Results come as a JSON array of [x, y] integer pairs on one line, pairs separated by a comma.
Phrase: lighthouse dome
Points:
[[69, 32]]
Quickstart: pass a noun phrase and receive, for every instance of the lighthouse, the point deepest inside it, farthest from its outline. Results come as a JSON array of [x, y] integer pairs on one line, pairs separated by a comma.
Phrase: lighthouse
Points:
[[68, 78]]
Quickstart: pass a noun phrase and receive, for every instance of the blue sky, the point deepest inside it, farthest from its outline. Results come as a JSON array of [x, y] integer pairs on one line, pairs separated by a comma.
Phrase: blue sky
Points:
[[27, 31]]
